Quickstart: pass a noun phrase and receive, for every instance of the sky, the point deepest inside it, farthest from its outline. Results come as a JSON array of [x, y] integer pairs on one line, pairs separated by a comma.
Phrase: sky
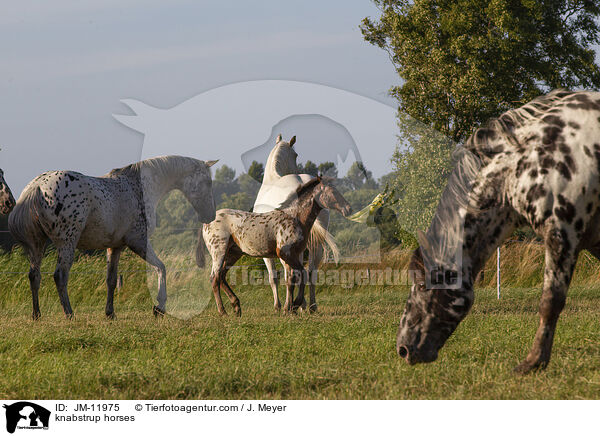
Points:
[[66, 66]]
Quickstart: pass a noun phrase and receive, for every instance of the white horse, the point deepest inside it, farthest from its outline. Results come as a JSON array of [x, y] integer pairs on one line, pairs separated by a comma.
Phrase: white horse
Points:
[[281, 181], [111, 212]]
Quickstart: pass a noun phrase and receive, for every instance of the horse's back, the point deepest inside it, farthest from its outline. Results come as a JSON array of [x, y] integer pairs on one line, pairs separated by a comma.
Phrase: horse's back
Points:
[[256, 234], [552, 175], [75, 208]]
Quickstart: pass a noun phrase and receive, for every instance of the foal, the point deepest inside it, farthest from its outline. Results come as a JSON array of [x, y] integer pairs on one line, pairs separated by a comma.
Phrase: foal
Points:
[[281, 233]]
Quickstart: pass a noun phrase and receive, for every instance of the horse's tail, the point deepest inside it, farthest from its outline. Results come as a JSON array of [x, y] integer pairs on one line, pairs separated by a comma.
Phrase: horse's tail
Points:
[[320, 236], [200, 250], [24, 221]]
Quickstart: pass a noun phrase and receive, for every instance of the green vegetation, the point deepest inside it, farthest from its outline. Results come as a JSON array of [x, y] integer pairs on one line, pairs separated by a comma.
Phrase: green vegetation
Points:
[[346, 350], [464, 62]]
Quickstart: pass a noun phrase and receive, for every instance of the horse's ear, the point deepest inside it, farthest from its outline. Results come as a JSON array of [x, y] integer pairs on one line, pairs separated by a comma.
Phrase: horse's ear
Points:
[[210, 163], [293, 141], [278, 140]]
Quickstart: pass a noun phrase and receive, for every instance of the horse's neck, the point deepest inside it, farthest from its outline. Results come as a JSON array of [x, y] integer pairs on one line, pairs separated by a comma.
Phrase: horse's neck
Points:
[[156, 184], [483, 232], [275, 171], [307, 210], [271, 174]]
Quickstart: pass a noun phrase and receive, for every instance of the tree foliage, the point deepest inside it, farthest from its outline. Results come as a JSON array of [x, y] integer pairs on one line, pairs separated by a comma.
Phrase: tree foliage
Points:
[[465, 61], [422, 168], [309, 168], [328, 169]]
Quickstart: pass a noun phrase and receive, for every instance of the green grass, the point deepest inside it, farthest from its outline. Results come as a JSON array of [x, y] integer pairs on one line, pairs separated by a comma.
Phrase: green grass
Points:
[[346, 351]]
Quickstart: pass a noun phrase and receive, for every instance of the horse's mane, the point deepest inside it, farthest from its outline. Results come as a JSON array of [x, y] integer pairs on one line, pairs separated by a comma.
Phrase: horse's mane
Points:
[[277, 165], [300, 192], [501, 129], [163, 164], [445, 234]]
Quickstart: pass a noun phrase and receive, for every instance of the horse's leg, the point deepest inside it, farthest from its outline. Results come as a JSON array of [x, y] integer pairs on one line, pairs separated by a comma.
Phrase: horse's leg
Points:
[[230, 259], [143, 249], [315, 258], [298, 274], [289, 285], [218, 266], [112, 266], [35, 254], [295, 274], [161, 297], [233, 299], [216, 287], [66, 254], [273, 281], [560, 260]]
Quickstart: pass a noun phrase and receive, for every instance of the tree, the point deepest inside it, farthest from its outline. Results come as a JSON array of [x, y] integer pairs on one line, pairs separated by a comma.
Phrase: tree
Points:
[[224, 175], [238, 201], [310, 168], [422, 169], [224, 183], [465, 61], [357, 176], [328, 169], [256, 171]]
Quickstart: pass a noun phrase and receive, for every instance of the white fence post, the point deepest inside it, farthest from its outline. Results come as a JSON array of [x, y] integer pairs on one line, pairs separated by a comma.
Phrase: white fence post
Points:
[[498, 272]]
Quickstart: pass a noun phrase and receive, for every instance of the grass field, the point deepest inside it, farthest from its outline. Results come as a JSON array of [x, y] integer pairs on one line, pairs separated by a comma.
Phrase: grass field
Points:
[[345, 351]]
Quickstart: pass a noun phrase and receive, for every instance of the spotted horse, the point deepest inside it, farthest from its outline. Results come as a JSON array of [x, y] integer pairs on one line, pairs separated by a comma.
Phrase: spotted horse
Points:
[[111, 212], [7, 201], [537, 165], [282, 233]]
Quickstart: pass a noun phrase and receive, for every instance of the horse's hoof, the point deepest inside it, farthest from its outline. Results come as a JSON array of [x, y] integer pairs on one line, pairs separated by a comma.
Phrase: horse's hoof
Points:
[[238, 312], [111, 316], [312, 308], [36, 315], [70, 316], [295, 309], [527, 367], [157, 311]]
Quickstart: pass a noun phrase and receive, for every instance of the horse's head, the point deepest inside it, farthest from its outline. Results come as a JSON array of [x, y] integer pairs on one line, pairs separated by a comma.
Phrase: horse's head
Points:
[[197, 188], [7, 201], [430, 315], [330, 198], [282, 159]]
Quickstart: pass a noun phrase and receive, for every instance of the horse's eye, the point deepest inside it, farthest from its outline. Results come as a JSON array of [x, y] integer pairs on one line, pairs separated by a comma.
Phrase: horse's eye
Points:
[[421, 287]]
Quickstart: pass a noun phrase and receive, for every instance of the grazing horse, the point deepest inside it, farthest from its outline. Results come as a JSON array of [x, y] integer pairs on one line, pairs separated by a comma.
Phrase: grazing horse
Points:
[[282, 233], [7, 201], [111, 212], [537, 165], [279, 182]]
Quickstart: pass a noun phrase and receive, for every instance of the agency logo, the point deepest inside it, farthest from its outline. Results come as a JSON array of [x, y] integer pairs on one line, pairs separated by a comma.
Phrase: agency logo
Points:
[[26, 415]]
